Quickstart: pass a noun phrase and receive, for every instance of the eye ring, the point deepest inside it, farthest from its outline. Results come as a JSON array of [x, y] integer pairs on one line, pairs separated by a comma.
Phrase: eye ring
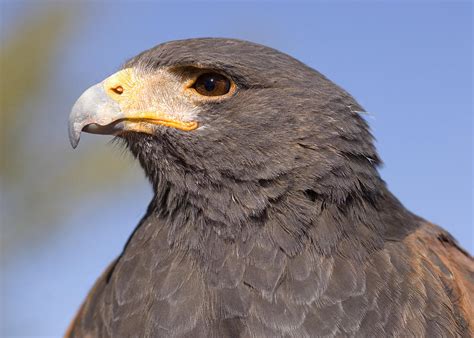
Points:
[[212, 84]]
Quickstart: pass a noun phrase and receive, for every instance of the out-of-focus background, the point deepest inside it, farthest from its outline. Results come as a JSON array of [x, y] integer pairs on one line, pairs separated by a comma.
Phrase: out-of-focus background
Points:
[[66, 213]]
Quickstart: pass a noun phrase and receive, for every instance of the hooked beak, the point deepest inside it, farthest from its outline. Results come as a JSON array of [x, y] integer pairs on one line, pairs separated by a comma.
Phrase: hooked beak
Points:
[[94, 112]]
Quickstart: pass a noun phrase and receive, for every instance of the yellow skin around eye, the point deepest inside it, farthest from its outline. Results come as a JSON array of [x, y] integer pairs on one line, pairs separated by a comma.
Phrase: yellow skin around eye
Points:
[[160, 97]]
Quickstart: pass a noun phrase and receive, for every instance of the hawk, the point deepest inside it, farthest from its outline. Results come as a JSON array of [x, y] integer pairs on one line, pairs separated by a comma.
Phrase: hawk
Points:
[[269, 217]]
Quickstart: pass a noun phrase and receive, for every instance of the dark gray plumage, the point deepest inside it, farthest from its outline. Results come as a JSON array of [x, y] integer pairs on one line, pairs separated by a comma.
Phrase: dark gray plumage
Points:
[[273, 220]]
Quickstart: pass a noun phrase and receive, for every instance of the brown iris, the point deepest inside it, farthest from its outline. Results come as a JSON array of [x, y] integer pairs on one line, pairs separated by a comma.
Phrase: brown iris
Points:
[[212, 84]]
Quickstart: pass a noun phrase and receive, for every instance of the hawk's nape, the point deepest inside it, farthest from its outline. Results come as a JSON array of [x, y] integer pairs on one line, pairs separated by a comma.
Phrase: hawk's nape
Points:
[[269, 217]]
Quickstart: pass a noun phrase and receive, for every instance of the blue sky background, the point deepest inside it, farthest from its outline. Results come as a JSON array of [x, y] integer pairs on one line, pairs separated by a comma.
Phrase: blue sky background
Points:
[[409, 64]]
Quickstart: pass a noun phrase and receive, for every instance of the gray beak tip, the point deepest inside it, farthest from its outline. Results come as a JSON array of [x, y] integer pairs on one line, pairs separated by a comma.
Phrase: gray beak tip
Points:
[[74, 135], [94, 112], [74, 142]]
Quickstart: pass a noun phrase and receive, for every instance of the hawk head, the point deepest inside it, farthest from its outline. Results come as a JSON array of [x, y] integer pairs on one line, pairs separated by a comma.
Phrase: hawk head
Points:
[[231, 133]]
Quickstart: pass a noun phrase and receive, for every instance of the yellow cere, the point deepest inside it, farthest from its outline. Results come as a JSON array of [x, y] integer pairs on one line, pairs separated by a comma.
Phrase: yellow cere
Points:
[[124, 79], [126, 88]]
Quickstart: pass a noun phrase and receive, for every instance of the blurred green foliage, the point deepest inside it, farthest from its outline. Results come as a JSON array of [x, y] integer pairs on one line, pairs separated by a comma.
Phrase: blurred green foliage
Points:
[[24, 64], [39, 182]]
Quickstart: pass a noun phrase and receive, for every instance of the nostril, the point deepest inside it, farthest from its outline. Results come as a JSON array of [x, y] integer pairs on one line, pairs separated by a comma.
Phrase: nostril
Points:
[[117, 90]]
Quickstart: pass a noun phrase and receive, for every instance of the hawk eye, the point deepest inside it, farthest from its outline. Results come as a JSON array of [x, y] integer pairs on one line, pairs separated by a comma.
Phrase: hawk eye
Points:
[[212, 84]]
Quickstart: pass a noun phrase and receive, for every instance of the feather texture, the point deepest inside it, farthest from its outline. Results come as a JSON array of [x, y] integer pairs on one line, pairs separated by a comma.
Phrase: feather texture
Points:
[[273, 221]]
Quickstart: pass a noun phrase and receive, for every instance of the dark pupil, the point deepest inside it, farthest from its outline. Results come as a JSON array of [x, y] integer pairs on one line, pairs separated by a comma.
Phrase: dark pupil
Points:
[[210, 84]]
